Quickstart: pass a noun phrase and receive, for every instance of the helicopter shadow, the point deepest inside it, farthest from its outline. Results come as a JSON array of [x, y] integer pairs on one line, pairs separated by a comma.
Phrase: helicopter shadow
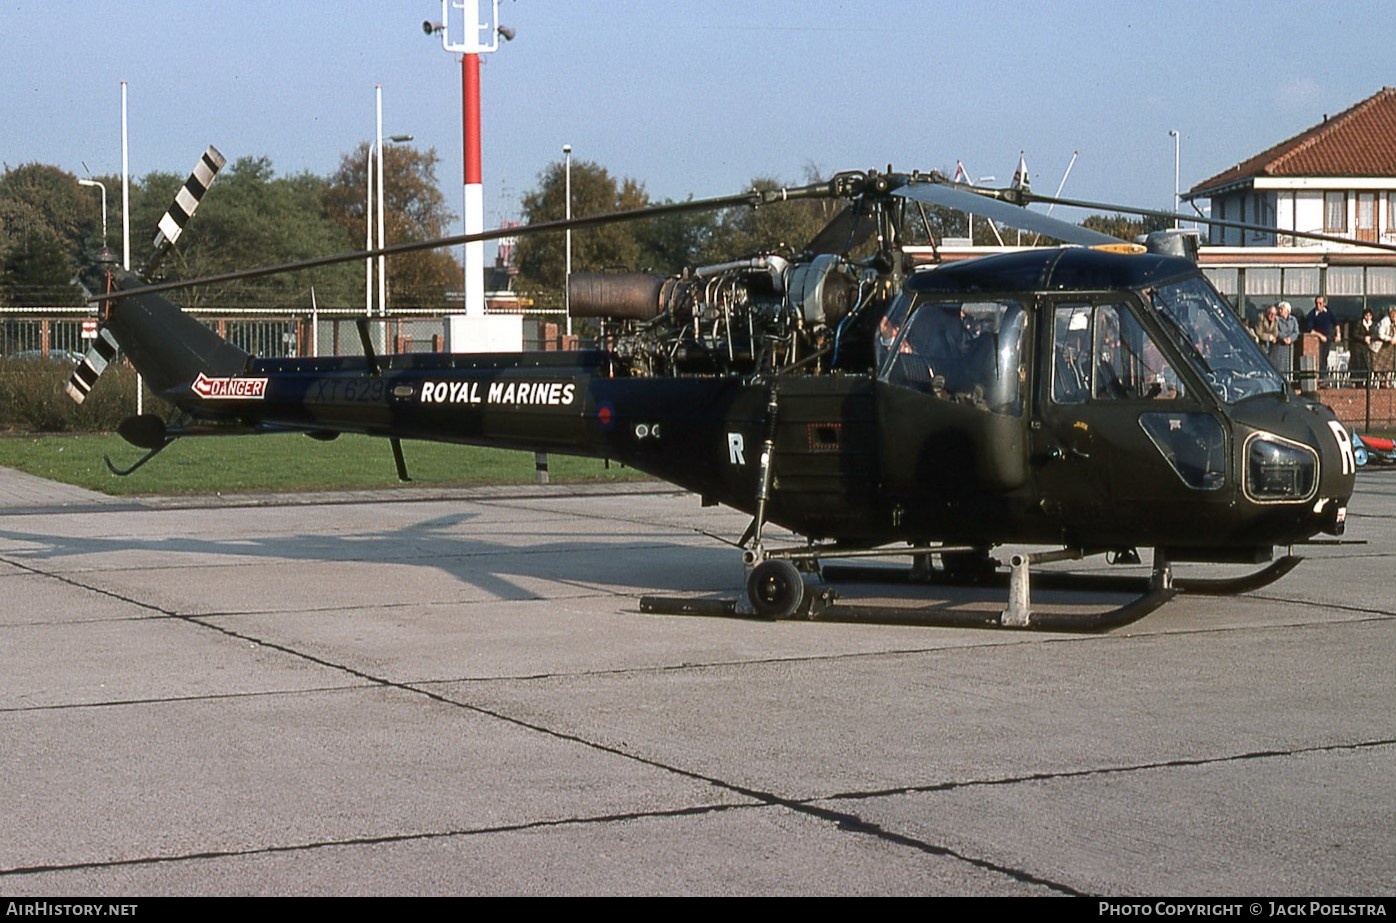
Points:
[[464, 556], [493, 553]]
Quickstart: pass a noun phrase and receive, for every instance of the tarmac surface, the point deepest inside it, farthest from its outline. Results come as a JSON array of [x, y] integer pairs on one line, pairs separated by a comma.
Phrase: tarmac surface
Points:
[[454, 692]]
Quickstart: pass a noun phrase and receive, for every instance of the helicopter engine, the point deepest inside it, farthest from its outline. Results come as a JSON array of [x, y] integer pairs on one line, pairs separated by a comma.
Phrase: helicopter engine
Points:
[[738, 316]]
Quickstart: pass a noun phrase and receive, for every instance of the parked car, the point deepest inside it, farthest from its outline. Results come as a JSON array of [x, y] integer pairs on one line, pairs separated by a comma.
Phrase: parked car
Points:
[[54, 355]]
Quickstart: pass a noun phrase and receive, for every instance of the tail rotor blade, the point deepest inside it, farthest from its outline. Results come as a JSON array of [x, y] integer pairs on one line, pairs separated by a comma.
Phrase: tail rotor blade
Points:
[[185, 202], [92, 366]]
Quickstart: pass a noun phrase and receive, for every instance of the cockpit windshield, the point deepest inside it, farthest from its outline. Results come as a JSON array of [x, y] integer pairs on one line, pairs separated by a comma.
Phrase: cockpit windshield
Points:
[[1212, 339]]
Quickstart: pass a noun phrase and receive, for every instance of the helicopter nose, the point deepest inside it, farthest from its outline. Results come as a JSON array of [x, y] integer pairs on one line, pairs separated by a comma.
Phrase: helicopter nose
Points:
[[1337, 475], [1302, 455]]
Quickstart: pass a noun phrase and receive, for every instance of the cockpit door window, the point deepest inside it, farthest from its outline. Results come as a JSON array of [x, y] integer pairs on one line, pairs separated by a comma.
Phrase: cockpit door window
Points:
[[1100, 352]]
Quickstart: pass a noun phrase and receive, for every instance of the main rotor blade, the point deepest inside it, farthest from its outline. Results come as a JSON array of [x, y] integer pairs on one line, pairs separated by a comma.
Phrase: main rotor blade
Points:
[[845, 231], [754, 198], [1202, 219], [1012, 215]]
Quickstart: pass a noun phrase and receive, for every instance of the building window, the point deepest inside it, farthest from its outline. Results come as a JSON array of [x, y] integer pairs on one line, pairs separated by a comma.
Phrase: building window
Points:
[[1381, 280], [1391, 212], [1263, 280], [1344, 280], [1367, 216], [1301, 282], [1335, 212], [1223, 280]]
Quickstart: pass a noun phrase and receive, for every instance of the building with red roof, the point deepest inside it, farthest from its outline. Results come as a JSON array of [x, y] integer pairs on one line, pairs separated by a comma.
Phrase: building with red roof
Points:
[[1336, 178]]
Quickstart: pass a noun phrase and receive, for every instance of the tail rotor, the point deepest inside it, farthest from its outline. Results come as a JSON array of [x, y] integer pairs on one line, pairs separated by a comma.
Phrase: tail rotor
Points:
[[105, 347]]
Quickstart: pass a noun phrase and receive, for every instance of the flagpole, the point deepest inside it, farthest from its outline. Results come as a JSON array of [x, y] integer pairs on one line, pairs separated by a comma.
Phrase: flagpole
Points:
[[1060, 187], [1062, 184]]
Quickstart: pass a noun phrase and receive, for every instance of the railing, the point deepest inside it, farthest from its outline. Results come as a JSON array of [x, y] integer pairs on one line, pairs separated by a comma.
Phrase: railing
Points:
[[27, 336], [270, 332], [1363, 399]]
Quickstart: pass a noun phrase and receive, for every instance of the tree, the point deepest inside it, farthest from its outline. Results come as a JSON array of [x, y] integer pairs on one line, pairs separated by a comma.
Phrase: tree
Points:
[[671, 243], [541, 257], [413, 209], [37, 271], [42, 199], [249, 218], [924, 223], [779, 227], [1123, 227]]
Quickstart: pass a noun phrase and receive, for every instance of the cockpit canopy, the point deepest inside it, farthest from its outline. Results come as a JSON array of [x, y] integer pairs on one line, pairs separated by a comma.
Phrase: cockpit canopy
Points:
[[957, 331]]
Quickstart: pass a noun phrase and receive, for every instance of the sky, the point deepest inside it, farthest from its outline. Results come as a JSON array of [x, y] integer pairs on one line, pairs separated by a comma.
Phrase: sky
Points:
[[695, 97]]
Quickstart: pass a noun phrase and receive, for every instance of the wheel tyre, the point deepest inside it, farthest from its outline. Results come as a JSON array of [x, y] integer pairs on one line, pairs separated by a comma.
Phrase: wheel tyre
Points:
[[776, 589]]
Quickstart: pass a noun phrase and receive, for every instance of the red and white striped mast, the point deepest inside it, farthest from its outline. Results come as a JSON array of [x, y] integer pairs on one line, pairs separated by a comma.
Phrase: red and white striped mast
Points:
[[477, 37]]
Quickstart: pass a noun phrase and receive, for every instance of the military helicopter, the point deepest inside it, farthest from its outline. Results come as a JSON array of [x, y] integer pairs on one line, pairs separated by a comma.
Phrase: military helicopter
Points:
[[1094, 398]]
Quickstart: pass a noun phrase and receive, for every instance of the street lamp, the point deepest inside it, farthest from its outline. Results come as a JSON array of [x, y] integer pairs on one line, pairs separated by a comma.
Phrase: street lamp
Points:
[[382, 221], [567, 276], [93, 182], [1173, 133], [376, 150]]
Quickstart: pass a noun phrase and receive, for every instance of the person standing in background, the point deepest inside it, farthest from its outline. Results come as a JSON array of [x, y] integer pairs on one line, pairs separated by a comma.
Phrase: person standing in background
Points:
[[1365, 346], [1267, 329], [1322, 326], [1282, 353]]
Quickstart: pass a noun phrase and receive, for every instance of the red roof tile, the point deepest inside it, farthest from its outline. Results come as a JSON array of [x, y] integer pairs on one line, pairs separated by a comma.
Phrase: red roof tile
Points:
[[1360, 141]]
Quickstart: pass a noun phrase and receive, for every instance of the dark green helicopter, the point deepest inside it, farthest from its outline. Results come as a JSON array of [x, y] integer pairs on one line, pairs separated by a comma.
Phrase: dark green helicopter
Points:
[[1092, 398]]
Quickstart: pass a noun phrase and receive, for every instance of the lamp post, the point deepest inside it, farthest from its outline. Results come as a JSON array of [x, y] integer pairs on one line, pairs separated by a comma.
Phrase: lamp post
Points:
[[567, 271], [382, 260], [98, 184], [478, 38], [126, 222], [1173, 133], [375, 152]]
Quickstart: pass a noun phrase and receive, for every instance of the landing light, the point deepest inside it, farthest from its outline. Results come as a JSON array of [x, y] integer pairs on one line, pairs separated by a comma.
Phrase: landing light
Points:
[[1280, 470]]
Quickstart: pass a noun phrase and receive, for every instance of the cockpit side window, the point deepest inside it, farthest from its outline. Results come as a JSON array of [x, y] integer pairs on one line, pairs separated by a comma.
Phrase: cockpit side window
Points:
[[1101, 352], [968, 352], [1129, 365], [1071, 353]]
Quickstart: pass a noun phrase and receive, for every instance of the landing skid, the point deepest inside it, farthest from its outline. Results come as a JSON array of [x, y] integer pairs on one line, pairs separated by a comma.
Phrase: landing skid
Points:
[[927, 618], [778, 589], [1056, 580]]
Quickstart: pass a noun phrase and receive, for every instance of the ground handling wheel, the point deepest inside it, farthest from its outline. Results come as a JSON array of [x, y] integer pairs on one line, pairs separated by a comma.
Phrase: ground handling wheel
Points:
[[776, 588]]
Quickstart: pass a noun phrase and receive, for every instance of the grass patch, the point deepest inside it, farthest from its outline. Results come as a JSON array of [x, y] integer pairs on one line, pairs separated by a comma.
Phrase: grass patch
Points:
[[288, 462]]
